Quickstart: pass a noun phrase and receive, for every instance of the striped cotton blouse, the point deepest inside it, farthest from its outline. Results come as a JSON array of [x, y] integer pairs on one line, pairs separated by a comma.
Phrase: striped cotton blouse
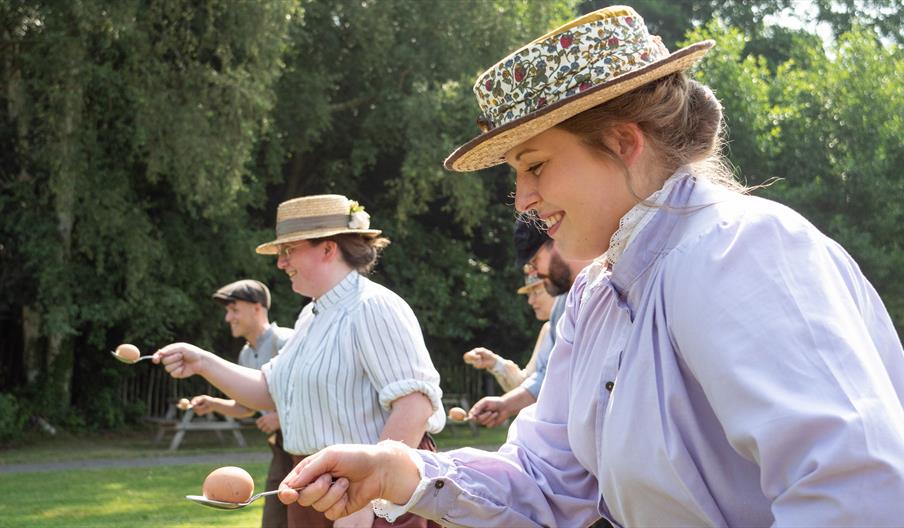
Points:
[[356, 349]]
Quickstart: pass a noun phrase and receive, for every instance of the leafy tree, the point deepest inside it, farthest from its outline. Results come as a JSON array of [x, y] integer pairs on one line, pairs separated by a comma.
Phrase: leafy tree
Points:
[[672, 19], [145, 147], [832, 131], [127, 130]]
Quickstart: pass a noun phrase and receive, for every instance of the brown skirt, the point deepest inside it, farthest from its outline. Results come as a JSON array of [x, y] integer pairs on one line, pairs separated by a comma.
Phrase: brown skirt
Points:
[[307, 517]]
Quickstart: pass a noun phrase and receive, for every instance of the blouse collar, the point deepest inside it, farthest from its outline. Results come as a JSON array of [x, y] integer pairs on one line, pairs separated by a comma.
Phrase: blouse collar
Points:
[[638, 217], [657, 234], [630, 225], [337, 293]]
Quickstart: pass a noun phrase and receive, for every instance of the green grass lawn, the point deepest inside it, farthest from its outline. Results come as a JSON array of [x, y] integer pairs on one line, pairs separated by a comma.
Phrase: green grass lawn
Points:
[[141, 497], [132, 498]]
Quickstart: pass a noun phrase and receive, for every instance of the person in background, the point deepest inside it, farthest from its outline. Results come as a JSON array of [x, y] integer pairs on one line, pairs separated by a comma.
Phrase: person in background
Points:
[[557, 274], [357, 369], [247, 305], [527, 239], [506, 371], [721, 363]]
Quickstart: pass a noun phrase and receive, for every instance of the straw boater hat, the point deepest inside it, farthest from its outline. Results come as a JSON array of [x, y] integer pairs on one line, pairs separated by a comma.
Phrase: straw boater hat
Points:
[[531, 282], [586, 62], [317, 217]]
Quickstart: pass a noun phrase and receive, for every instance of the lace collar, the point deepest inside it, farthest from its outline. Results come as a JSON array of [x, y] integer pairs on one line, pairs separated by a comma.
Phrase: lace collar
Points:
[[637, 217], [628, 227]]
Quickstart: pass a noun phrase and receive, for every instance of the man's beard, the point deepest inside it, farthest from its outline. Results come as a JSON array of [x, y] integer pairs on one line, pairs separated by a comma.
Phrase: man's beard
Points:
[[559, 279]]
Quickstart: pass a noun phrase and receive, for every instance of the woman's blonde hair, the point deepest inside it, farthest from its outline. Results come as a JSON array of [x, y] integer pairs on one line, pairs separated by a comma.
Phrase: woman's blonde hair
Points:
[[680, 117]]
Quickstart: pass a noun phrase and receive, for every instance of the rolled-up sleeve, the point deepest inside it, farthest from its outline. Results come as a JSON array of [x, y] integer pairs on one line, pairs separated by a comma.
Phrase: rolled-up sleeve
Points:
[[779, 327], [392, 349], [534, 382]]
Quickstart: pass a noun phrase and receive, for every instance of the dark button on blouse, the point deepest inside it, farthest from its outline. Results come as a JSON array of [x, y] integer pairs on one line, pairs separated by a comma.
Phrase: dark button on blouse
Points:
[[610, 385], [439, 484]]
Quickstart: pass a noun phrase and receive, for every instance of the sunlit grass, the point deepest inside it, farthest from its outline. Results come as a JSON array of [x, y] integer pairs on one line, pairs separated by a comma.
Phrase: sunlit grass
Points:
[[142, 497], [133, 498]]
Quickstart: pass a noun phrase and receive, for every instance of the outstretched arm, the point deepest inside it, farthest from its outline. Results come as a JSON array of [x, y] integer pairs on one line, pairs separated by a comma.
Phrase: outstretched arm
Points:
[[204, 404]]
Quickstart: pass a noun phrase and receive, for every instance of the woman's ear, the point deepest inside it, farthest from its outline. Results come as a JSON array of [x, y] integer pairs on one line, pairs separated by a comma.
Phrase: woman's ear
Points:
[[330, 249], [627, 141]]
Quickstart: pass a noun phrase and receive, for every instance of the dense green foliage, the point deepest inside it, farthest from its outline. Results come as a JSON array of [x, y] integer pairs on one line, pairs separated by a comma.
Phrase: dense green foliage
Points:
[[144, 148]]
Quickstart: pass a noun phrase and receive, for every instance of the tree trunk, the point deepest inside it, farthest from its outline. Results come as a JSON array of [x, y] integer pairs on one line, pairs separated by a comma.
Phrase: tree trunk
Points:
[[33, 360], [63, 185]]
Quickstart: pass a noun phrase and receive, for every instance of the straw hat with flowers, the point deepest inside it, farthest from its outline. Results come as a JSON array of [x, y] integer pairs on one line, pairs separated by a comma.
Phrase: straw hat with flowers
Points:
[[586, 62], [317, 217]]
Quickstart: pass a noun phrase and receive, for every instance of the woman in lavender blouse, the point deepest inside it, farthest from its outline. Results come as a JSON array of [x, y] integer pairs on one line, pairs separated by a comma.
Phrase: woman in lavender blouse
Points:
[[722, 362]]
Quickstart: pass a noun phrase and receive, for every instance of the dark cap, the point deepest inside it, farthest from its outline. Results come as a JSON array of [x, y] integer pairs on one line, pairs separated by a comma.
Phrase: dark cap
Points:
[[528, 240], [244, 290]]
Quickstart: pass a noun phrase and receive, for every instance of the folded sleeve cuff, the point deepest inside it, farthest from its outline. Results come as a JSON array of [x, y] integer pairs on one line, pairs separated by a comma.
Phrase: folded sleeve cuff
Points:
[[532, 384], [398, 389]]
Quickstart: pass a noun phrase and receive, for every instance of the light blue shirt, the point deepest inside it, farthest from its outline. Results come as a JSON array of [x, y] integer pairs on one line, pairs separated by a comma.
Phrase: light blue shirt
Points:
[[268, 344], [533, 382], [734, 369]]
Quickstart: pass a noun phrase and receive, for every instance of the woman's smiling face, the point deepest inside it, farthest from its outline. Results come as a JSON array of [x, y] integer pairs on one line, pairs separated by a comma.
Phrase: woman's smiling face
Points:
[[579, 193]]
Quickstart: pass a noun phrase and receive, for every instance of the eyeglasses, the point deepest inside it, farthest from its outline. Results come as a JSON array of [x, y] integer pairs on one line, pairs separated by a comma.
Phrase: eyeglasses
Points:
[[286, 251]]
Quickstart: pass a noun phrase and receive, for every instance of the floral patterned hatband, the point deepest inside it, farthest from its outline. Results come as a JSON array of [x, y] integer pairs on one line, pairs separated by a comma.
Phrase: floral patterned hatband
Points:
[[562, 65]]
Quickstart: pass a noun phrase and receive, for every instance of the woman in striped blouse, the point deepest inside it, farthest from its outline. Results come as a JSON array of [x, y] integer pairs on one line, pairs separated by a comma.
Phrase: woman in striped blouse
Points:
[[357, 369]]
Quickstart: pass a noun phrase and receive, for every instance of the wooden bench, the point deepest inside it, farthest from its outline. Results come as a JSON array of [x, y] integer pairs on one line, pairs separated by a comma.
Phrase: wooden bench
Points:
[[192, 422]]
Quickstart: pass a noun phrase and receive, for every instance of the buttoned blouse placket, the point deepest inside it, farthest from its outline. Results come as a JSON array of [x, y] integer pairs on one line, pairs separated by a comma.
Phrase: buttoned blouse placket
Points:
[[327, 311], [289, 394]]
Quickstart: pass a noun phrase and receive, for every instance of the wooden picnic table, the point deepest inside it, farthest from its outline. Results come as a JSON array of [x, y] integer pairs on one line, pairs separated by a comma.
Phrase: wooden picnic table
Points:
[[192, 422]]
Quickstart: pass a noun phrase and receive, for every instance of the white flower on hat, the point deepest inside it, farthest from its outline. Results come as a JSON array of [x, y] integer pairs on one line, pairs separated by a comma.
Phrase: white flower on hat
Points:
[[358, 218]]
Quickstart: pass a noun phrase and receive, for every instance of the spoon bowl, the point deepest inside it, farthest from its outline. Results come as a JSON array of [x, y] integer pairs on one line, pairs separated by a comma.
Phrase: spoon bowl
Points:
[[126, 361], [223, 505]]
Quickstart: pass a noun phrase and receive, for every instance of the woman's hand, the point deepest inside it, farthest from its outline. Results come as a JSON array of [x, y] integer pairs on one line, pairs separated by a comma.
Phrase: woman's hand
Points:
[[362, 473], [480, 358], [490, 411], [268, 423], [181, 360]]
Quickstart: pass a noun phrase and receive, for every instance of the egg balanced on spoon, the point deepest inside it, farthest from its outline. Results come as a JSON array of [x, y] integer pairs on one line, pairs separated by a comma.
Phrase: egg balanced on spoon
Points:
[[128, 354]]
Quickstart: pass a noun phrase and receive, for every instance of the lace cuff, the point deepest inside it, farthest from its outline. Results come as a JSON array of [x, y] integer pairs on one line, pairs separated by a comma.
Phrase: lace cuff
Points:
[[390, 511]]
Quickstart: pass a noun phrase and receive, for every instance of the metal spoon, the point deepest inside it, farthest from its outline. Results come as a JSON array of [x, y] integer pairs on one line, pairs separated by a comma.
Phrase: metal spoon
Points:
[[200, 499], [126, 361]]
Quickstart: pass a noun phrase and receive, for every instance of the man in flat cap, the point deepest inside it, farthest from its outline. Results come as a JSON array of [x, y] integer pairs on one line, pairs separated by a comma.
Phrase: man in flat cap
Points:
[[247, 305]]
